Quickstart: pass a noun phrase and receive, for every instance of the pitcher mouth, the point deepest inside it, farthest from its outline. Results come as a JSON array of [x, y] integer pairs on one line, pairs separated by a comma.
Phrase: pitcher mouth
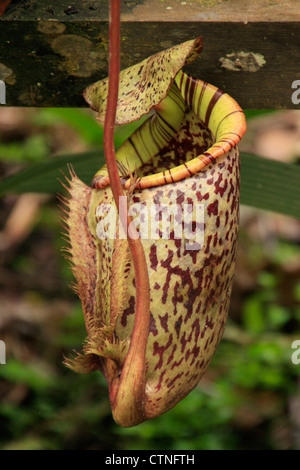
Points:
[[193, 123], [211, 124], [221, 124]]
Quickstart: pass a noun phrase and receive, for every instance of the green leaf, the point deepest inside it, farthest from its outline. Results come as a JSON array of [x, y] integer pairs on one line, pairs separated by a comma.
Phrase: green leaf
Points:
[[45, 177], [254, 318], [32, 375], [84, 123], [35, 149], [265, 184], [270, 185], [253, 113]]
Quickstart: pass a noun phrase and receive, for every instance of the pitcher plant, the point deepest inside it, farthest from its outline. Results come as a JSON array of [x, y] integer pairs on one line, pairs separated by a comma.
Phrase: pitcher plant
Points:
[[180, 174]]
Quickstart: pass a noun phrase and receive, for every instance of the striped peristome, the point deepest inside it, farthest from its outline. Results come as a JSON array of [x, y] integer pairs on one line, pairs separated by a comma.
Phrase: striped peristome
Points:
[[217, 110], [184, 153]]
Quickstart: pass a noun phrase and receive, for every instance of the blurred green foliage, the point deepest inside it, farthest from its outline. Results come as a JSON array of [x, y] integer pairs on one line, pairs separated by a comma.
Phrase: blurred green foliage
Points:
[[244, 401], [267, 184]]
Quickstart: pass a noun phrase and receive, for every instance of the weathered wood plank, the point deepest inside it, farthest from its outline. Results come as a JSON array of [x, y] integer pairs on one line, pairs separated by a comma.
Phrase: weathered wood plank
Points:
[[49, 63], [157, 10]]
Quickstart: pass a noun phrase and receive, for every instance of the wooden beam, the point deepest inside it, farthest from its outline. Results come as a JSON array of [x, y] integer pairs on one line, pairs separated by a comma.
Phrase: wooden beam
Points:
[[50, 51]]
